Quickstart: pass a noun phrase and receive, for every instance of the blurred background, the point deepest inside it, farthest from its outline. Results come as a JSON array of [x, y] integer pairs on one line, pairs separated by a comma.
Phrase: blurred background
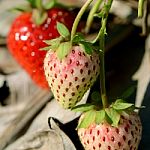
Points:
[[25, 107]]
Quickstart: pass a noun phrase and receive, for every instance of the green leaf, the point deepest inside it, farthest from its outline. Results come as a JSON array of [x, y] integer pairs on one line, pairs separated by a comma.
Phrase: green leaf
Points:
[[83, 108], [100, 116], [78, 38], [88, 119], [63, 30], [128, 92], [113, 115], [121, 105], [87, 47], [63, 50]]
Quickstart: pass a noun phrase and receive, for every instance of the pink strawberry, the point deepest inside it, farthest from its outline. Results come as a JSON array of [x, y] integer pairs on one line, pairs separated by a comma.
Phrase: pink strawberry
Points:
[[117, 127], [103, 136], [70, 77]]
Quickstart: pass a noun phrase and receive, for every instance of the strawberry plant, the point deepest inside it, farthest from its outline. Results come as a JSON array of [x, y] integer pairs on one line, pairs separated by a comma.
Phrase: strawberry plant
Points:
[[35, 24], [72, 65]]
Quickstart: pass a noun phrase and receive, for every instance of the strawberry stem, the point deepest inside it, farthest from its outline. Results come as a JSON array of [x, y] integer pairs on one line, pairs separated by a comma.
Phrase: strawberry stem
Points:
[[91, 15], [140, 8], [77, 19], [101, 37], [102, 67]]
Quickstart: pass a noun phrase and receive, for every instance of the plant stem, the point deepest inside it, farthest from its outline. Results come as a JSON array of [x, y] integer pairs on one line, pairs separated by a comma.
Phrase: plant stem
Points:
[[91, 14], [77, 20], [101, 37], [102, 59], [140, 8]]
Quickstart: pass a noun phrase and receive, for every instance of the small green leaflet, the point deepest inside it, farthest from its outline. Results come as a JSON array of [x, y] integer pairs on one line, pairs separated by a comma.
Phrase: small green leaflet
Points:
[[87, 47], [88, 119], [100, 116], [50, 4], [63, 30], [63, 50], [121, 105], [113, 115], [83, 108]]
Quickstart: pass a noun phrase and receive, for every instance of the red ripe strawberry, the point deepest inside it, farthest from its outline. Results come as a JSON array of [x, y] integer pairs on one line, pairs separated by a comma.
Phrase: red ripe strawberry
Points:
[[26, 38], [103, 136], [70, 77]]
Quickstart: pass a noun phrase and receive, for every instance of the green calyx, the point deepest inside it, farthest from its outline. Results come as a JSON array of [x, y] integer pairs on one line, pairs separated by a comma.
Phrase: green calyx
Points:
[[87, 46], [39, 14], [39, 9], [111, 115], [62, 45]]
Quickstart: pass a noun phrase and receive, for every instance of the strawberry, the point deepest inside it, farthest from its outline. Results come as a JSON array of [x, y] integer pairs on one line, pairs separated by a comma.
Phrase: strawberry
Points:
[[26, 38], [103, 136], [72, 76], [109, 129]]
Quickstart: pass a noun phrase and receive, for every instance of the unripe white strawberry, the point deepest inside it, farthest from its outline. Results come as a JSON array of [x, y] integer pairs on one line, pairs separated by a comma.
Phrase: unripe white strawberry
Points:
[[70, 77], [104, 136]]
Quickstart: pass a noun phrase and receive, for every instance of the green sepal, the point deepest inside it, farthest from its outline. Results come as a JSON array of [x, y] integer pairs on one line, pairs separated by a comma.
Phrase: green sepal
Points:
[[38, 17], [53, 41], [38, 4], [54, 44], [50, 4], [100, 116], [78, 38], [35, 3], [52, 48], [32, 3], [121, 105], [113, 115], [24, 8], [63, 50], [45, 48], [89, 118], [87, 47], [63, 30], [83, 107]]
